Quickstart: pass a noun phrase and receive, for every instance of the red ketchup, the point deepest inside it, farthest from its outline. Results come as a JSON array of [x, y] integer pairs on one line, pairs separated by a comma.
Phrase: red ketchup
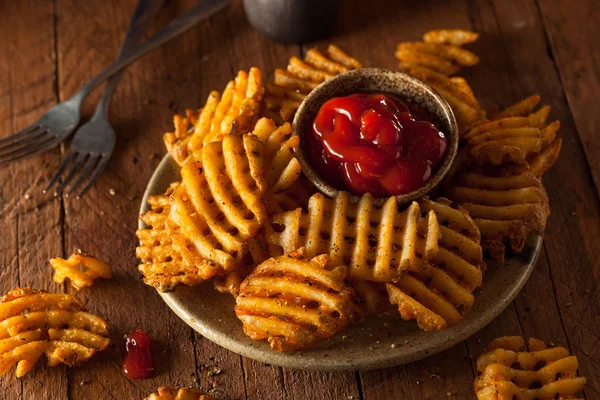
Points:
[[139, 358], [375, 143]]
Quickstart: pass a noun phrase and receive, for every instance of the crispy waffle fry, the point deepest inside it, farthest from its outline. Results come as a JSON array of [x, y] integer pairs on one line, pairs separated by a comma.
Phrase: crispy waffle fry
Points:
[[505, 208], [282, 168], [293, 302], [291, 86], [516, 135], [162, 264], [80, 278], [434, 60], [438, 295], [234, 112], [508, 371], [456, 37], [169, 393], [376, 243], [33, 322]]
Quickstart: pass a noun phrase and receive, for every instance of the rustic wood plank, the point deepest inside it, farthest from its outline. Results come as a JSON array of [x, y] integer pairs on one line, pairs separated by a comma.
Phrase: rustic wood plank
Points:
[[32, 220], [572, 33]]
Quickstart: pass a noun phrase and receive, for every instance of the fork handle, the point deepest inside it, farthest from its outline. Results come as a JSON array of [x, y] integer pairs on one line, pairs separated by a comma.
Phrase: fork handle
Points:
[[183, 23], [143, 15]]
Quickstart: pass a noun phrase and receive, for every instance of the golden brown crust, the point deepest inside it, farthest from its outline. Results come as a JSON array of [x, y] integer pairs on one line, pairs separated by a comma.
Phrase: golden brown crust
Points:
[[294, 302], [34, 322], [508, 370]]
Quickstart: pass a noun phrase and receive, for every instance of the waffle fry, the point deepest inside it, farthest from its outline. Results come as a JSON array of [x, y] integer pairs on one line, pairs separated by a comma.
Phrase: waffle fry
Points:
[[438, 295], [80, 278], [233, 112], [508, 371], [169, 393], [376, 243], [456, 37], [33, 323], [291, 86], [505, 208], [434, 60], [259, 250], [516, 135], [162, 263], [282, 168], [293, 302]]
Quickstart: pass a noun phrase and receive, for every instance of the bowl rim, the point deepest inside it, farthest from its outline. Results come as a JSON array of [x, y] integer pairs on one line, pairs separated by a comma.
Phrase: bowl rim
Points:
[[444, 109]]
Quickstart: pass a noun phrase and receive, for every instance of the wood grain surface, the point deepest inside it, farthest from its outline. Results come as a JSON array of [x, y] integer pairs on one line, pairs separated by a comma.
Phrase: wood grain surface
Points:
[[49, 49]]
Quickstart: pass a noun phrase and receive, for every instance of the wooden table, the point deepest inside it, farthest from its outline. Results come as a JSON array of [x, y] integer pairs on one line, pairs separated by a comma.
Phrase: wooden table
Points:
[[50, 49]]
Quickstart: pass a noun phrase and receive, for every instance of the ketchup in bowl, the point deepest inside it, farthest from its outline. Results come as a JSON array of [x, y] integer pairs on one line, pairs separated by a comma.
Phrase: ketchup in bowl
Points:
[[376, 143]]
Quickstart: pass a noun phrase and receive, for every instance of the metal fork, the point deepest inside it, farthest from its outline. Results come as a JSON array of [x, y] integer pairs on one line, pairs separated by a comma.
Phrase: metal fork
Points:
[[62, 119], [94, 142]]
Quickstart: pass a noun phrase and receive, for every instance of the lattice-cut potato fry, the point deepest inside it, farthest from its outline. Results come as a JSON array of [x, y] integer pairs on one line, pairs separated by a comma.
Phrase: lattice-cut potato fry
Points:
[[259, 249], [456, 37], [233, 169], [291, 86], [169, 393], [294, 302], [33, 323], [233, 112], [460, 254], [434, 60], [282, 168], [376, 243], [506, 208], [440, 293], [516, 134], [91, 269], [161, 261], [507, 370]]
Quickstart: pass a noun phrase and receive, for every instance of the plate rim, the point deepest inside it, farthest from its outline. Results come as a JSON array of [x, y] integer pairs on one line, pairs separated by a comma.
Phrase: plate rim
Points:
[[287, 360]]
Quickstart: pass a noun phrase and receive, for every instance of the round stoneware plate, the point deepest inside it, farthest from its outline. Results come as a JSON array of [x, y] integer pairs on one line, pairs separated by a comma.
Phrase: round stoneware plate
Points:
[[375, 343]]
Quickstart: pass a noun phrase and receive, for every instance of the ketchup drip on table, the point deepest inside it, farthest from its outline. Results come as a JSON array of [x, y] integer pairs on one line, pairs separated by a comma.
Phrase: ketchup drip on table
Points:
[[375, 143], [139, 358]]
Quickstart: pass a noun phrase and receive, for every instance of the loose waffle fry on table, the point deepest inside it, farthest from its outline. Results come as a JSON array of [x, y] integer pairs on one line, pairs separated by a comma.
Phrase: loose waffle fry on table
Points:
[[290, 86], [434, 60], [233, 112], [440, 293], [507, 370], [293, 301], [376, 243], [169, 393], [80, 278], [515, 135], [34, 322]]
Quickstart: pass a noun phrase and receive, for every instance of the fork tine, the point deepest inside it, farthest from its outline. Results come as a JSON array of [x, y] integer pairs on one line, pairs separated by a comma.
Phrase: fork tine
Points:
[[19, 134], [74, 168], [24, 146], [99, 168], [29, 151], [25, 139], [84, 173], [60, 170]]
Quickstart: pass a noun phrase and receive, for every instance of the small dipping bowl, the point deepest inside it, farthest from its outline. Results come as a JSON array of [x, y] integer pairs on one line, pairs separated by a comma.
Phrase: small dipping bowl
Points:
[[377, 80]]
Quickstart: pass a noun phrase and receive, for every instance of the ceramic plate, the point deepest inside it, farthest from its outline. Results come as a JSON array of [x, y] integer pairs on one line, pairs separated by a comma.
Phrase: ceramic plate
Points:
[[375, 343]]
